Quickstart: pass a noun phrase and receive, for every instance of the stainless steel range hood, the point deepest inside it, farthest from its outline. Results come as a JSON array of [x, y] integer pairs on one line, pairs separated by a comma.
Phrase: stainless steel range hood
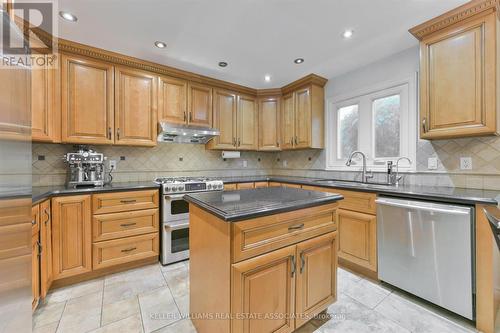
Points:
[[174, 133]]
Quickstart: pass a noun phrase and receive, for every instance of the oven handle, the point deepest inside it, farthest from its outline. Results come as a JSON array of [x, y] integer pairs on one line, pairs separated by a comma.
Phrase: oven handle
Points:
[[176, 226], [173, 196]]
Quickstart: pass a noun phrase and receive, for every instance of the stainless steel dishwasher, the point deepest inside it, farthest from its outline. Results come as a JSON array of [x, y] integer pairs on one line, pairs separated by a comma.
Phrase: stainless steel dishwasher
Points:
[[427, 248]]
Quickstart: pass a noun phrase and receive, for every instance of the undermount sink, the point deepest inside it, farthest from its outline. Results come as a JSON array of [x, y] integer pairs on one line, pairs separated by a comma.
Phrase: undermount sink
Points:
[[350, 182]]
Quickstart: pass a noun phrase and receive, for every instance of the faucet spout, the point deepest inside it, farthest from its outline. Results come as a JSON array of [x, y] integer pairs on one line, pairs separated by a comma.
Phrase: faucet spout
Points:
[[364, 175]]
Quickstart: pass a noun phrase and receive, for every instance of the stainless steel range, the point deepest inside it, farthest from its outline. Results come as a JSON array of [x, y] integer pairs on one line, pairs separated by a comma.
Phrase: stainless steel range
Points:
[[175, 213]]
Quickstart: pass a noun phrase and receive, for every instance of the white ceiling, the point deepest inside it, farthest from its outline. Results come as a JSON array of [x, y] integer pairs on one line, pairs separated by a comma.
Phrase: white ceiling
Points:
[[256, 37]]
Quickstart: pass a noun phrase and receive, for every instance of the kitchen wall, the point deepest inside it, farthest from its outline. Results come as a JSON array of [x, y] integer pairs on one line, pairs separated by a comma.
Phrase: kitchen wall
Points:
[[144, 164], [484, 151]]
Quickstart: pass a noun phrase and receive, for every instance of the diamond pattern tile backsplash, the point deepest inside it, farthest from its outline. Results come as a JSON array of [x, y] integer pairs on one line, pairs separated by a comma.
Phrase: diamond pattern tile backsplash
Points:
[[142, 164]]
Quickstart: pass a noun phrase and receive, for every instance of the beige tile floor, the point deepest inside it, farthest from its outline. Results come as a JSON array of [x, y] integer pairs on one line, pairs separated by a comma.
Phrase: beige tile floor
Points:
[[155, 298]]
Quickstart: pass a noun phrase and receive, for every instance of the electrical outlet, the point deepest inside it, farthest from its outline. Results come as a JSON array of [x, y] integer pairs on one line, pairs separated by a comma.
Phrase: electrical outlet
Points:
[[432, 163], [465, 163], [285, 163], [112, 164], [245, 163]]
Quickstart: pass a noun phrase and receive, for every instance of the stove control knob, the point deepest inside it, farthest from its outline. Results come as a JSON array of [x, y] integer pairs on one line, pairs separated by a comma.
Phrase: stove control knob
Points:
[[209, 186], [220, 186], [167, 189], [180, 188], [174, 188]]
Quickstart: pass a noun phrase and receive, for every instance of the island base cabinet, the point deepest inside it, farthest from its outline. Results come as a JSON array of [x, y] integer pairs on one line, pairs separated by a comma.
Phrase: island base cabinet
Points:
[[282, 290], [264, 293], [316, 276]]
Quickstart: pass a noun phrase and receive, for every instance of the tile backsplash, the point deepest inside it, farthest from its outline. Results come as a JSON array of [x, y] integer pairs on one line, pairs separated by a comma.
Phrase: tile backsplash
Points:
[[142, 164]]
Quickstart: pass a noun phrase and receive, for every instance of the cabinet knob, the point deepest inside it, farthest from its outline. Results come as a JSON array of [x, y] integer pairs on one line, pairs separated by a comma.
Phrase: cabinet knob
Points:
[[185, 116], [118, 134], [109, 133], [424, 125]]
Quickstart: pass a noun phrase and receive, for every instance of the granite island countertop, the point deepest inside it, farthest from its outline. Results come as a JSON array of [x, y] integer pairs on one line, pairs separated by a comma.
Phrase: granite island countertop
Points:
[[240, 205], [40, 193]]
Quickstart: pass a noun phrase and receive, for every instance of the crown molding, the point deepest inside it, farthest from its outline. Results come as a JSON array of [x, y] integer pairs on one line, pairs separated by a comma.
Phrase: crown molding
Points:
[[466, 11], [67, 46]]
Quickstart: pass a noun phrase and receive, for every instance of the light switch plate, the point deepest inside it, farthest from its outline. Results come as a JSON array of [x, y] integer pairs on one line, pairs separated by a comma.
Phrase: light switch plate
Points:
[[465, 163], [432, 163]]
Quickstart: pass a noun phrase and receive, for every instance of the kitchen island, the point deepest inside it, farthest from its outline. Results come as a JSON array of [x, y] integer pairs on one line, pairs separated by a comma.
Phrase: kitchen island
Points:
[[261, 260]]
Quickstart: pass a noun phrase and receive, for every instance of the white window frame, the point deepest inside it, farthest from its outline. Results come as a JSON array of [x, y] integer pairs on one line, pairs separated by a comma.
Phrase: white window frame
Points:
[[407, 89]]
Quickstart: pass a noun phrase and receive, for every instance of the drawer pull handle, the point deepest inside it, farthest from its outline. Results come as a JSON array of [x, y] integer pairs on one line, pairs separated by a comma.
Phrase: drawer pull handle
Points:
[[127, 224], [296, 227], [46, 211], [128, 201], [302, 262], [33, 222], [129, 249], [294, 266]]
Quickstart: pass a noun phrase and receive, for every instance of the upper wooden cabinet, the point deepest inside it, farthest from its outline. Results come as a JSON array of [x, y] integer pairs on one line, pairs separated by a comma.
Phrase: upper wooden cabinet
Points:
[[459, 79], [135, 107], [237, 120], [303, 118], [199, 105], [45, 106], [269, 123], [87, 102], [172, 100]]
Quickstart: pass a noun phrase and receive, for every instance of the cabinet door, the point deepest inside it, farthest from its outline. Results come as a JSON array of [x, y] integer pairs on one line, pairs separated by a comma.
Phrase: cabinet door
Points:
[[87, 103], [172, 100], [247, 119], [316, 278], [46, 267], [35, 271], [288, 123], [265, 286], [224, 120], [136, 97], [71, 235], [199, 105], [457, 81], [358, 238], [302, 137], [45, 111], [269, 124]]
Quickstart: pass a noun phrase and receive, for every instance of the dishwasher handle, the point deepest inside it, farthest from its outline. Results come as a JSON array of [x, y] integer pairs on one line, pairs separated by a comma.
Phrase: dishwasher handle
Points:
[[419, 205]]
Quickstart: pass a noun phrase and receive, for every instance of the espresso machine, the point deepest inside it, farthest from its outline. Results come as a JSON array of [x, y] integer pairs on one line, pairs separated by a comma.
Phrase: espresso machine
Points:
[[86, 167]]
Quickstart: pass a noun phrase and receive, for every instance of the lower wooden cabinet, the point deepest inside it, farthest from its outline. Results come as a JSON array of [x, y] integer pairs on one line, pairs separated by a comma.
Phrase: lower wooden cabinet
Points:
[[72, 235], [285, 288], [46, 274], [265, 285], [230, 187], [358, 238], [317, 276]]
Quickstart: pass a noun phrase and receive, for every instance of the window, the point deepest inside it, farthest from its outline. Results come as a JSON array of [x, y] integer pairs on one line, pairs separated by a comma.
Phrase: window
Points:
[[380, 122]]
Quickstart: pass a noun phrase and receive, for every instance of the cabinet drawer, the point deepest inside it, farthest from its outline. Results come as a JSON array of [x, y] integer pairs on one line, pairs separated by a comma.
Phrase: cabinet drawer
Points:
[[261, 184], [274, 184], [120, 251], [124, 224], [124, 201], [242, 186], [264, 234], [230, 187], [353, 200]]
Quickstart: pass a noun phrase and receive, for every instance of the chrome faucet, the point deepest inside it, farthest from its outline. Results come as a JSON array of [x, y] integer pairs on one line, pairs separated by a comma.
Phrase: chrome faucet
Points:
[[364, 175], [395, 179]]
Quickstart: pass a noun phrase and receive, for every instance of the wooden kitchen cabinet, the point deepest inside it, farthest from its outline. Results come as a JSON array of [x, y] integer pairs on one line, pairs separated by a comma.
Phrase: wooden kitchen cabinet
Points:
[[230, 187], [71, 235], [87, 101], [45, 106], [136, 97], [247, 123], [265, 285], [459, 74], [46, 274], [225, 104], [199, 105], [172, 100], [358, 238], [269, 124], [303, 118], [243, 186], [316, 276]]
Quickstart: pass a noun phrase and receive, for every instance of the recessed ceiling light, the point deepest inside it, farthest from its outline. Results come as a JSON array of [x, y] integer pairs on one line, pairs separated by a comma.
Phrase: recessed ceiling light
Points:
[[160, 45], [68, 16], [299, 60], [267, 78], [222, 64], [347, 33]]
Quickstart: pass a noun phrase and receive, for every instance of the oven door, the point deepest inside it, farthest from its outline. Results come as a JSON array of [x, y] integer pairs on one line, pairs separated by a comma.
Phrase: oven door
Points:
[[175, 244], [175, 208]]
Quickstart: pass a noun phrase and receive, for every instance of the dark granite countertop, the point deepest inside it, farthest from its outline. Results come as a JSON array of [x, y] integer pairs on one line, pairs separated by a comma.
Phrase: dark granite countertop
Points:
[[240, 205], [43, 192], [437, 193]]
